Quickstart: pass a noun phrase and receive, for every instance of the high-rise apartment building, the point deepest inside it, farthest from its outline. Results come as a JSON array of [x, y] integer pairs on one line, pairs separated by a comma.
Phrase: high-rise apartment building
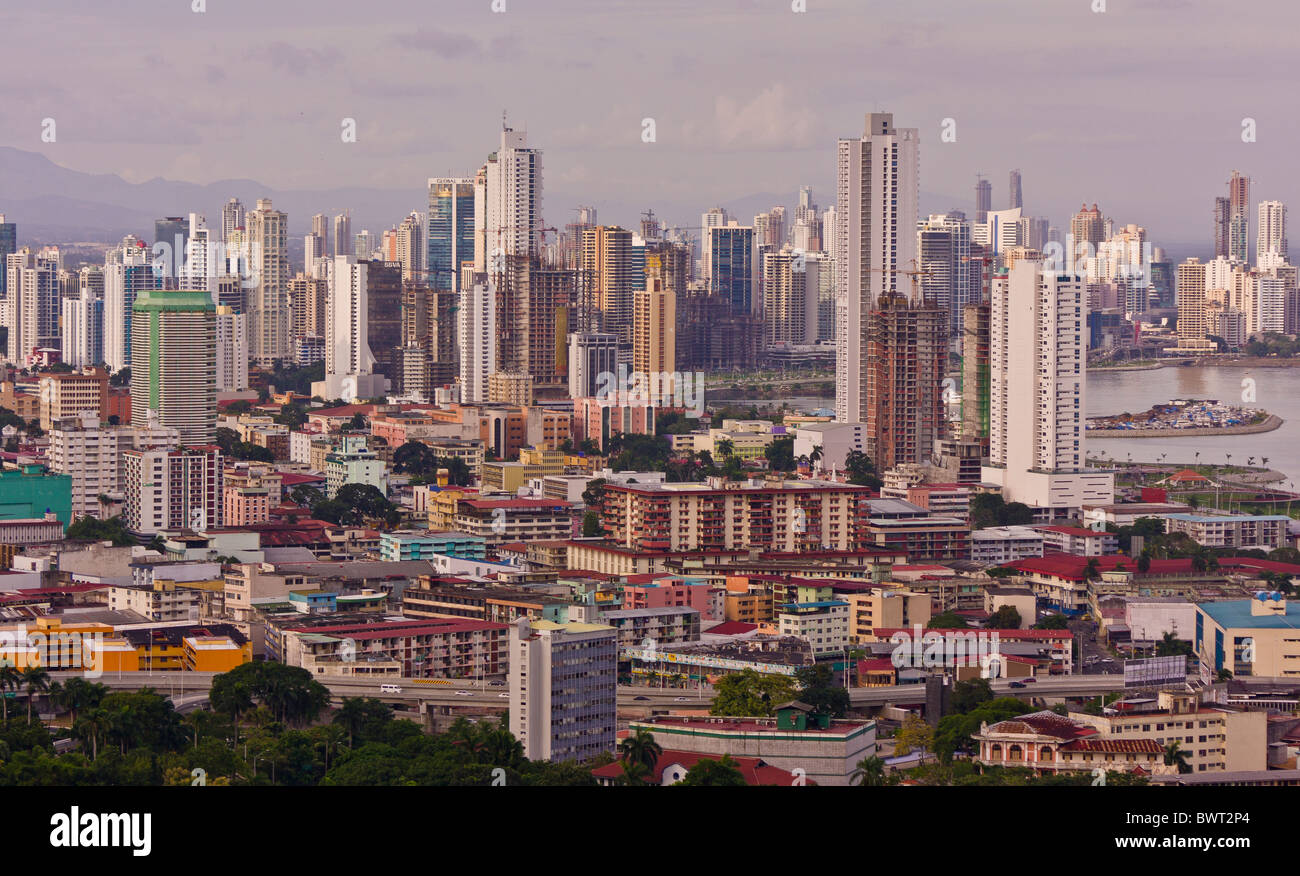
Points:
[[563, 688], [478, 338], [1271, 239], [232, 217], [791, 283], [410, 250], [731, 266], [1239, 218], [611, 275], [72, 393], [231, 332], [1015, 197], [1037, 351], [1222, 219], [270, 316], [169, 488], [512, 217], [943, 252], [591, 354], [906, 354], [1192, 317], [343, 243], [30, 308], [82, 329], [1087, 231], [349, 363], [174, 362], [128, 273], [983, 200], [8, 246], [654, 325], [92, 453], [878, 185]]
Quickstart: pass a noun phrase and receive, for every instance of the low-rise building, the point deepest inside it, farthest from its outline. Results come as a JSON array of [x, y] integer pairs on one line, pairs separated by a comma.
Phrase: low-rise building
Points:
[[1259, 531], [1078, 541], [1259, 636], [996, 545]]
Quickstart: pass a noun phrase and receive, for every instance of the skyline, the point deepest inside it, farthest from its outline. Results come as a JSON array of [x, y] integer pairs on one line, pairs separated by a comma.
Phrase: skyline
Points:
[[758, 130]]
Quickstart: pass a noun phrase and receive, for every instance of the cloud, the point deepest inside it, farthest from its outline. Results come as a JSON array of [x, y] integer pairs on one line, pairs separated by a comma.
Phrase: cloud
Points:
[[771, 120], [442, 43], [296, 59]]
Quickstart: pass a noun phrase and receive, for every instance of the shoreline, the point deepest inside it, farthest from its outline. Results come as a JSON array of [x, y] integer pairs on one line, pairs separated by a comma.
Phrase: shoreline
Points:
[[1202, 363], [1273, 422]]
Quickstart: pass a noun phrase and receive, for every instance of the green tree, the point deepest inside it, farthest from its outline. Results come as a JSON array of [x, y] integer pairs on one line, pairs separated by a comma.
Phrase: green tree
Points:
[[714, 773], [1053, 622], [914, 734], [861, 470], [870, 773], [1175, 756], [967, 695], [818, 689], [1005, 618], [591, 527], [749, 694], [780, 454], [949, 620], [640, 747], [37, 680]]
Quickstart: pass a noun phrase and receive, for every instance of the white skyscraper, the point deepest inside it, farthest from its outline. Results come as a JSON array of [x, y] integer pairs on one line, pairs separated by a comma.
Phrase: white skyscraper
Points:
[[513, 218], [313, 249], [343, 233], [878, 185], [232, 349], [715, 217], [1037, 354], [478, 339], [83, 322], [127, 272], [204, 260], [349, 363], [30, 309], [1271, 236], [232, 217]]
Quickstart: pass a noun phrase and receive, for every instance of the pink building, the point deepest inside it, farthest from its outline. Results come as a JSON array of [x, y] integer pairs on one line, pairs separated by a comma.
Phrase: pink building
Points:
[[660, 591], [599, 419]]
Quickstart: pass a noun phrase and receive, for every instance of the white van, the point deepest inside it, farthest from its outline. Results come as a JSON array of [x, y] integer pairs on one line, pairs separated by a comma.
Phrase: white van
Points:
[[389, 688]]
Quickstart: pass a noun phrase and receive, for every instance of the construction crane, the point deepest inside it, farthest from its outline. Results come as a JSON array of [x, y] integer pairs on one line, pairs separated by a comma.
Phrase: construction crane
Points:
[[914, 273]]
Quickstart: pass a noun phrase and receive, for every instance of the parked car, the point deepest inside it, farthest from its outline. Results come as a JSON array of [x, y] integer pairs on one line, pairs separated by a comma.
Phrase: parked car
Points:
[[1016, 684]]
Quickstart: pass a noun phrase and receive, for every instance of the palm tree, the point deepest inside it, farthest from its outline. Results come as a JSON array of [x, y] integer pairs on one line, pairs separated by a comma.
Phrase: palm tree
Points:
[[640, 747], [816, 455], [36, 680], [726, 448], [352, 716], [91, 726], [870, 773], [1176, 757], [634, 773], [10, 679]]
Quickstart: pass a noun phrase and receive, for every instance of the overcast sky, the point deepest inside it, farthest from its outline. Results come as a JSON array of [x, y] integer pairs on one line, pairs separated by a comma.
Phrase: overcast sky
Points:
[[1138, 108]]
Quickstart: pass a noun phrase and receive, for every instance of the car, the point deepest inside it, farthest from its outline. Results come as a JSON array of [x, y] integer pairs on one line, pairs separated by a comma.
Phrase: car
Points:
[[682, 700], [640, 698], [464, 693], [497, 683], [1029, 680], [504, 695], [390, 688], [1017, 684]]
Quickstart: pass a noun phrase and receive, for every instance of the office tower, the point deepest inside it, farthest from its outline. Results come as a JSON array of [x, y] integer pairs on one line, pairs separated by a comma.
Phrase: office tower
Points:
[[791, 286], [591, 354], [313, 252], [769, 228], [30, 309], [409, 247], [878, 184], [570, 241], [343, 234], [1238, 217], [8, 246], [975, 374], [174, 362], [512, 219], [943, 253], [82, 330], [269, 312], [563, 681], [1222, 220], [349, 363], [906, 355], [1271, 238], [232, 217], [654, 324], [1162, 281], [611, 276], [450, 231], [383, 330], [1271, 294], [231, 348], [1035, 232], [1015, 198], [478, 338], [320, 226], [202, 262], [1037, 351], [731, 265], [307, 298], [170, 235], [714, 217], [172, 488], [127, 273], [363, 246], [983, 199], [1087, 231]]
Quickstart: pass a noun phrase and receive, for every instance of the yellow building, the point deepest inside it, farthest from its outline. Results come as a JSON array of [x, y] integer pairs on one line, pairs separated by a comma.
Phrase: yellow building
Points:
[[886, 608]]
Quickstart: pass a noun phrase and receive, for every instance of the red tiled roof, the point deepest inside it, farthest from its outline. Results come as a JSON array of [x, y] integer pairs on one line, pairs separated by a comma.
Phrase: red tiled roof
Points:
[[755, 770], [1115, 746], [731, 628], [293, 479]]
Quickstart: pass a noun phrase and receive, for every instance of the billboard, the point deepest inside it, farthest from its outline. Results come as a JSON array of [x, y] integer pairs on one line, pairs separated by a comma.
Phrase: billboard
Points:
[[1155, 671]]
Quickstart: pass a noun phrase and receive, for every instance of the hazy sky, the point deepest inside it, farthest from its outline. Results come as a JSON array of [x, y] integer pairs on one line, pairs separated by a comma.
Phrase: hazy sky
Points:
[[1138, 108]]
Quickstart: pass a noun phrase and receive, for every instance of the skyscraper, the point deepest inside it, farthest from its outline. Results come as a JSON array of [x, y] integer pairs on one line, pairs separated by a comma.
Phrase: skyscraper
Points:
[[1037, 350], [512, 220], [174, 362], [612, 277], [943, 248], [478, 338], [1222, 218], [82, 330], [127, 273], [343, 235], [731, 265], [1271, 240], [232, 217], [983, 199], [8, 246], [791, 283], [201, 266], [878, 185], [1239, 218], [1087, 231], [170, 235], [349, 363], [1015, 198], [30, 309], [654, 323], [591, 354], [714, 217], [906, 353], [270, 316], [451, 231]]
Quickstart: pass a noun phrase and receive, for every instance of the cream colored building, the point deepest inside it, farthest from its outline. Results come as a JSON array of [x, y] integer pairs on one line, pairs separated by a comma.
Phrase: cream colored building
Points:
[[886, 608]]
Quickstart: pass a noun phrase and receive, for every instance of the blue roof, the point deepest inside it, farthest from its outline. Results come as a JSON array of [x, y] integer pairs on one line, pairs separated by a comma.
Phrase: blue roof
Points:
[[1236, 613]]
